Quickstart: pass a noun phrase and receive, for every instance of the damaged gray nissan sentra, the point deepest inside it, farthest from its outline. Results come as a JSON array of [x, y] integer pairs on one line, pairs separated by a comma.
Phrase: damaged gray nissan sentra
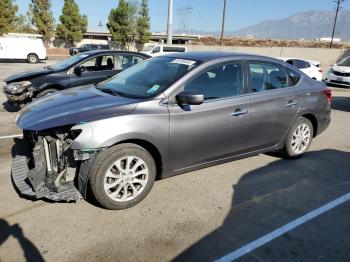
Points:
[[163, 117]]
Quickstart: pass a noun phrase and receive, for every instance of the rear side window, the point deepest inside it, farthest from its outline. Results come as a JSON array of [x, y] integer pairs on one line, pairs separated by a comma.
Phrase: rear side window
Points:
[[218, 82], [293, 77], [300, 64], [125, 61], [265, 76]]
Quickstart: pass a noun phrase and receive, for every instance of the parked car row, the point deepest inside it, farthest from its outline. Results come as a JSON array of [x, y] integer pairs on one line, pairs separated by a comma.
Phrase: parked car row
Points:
[[157, 118]]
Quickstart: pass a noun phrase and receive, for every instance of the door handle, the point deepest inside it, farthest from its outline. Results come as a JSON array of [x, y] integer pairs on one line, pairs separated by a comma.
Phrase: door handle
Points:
[[291, 103], [239, 112], [110, 75]]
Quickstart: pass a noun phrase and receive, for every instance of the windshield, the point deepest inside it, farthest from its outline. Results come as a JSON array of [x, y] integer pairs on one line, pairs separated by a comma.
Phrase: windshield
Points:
[[345, 62], [148, 78], [68, 62], [148, 48]]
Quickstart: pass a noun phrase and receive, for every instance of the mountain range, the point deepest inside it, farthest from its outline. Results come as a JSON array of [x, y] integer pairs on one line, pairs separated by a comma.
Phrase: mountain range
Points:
[[306, 25]]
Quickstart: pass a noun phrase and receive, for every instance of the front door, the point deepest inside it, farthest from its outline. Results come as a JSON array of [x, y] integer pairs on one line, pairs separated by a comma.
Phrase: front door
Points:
[[216, 129], [95, 70]]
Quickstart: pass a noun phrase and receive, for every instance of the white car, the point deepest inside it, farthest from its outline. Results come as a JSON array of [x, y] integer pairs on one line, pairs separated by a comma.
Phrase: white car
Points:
[[157, 50], [309, 67], [339, 74], [30, 48]]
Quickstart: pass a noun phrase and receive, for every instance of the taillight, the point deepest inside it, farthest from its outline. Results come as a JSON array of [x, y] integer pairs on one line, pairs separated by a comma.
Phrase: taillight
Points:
[[328, 93]]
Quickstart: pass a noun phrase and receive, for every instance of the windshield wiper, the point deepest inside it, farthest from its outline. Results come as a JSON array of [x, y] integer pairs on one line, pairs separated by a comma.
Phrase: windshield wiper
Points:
[[110, 91]]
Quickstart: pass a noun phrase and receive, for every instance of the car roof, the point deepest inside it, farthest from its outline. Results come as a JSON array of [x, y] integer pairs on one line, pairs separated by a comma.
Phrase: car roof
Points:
[[109, 51], [205, 56]]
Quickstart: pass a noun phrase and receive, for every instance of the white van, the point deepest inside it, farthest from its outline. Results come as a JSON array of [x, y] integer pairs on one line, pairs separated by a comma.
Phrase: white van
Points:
[[19, 46], [157, 50]]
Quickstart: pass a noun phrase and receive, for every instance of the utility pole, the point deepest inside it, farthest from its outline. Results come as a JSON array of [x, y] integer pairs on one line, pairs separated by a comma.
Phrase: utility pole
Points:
[[170, 23], [223, 24], [338, 2]]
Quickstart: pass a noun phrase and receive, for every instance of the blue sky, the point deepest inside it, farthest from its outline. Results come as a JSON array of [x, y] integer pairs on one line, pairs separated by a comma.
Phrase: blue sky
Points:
[[206, 14]]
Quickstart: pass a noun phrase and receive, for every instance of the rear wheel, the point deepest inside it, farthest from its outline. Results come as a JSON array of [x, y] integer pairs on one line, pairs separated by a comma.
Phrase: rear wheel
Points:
[[299, 138], [122, 176], [32, 59]]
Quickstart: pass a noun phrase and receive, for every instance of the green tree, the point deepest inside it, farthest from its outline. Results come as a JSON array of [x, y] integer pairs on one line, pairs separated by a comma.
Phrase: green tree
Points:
[[143, 25], [7, 16], [72, 25], [23, 25], [42, 18], [119, 23]]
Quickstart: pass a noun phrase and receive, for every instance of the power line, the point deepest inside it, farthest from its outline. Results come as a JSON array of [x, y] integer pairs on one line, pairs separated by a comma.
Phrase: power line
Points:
[[338, 8], [184, 16]]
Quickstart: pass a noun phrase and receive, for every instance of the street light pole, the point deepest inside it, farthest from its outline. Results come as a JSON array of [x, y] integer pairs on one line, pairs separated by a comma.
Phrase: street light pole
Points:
[[170, 23], [335, 19], [223, 24]]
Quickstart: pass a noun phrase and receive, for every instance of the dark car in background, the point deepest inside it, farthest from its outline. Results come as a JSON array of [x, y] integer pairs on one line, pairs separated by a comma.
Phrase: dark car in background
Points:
[[86, 68], [166, 116], [87, 47]]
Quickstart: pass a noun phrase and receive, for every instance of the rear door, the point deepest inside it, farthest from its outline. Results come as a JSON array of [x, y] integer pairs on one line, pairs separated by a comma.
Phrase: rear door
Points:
[[274, 103], [217, 128]]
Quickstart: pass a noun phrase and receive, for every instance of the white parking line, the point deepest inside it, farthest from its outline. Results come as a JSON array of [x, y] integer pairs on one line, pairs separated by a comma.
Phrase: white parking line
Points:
[[280, 231], [12, 136]]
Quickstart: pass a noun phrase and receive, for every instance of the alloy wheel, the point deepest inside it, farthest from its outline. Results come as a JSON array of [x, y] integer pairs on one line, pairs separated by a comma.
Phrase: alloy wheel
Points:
[[126, 178], [301, 139]]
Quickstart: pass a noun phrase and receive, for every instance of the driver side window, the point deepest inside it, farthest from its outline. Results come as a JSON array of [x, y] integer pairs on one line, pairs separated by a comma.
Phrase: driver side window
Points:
[[89, 65], [218, 82]]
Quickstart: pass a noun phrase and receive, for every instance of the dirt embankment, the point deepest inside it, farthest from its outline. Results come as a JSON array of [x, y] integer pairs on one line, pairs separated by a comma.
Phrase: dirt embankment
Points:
[[267, 43]]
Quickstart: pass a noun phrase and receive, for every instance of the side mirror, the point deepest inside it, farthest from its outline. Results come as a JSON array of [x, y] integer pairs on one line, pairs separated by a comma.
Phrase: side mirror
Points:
[[190, 98], [78, 70]]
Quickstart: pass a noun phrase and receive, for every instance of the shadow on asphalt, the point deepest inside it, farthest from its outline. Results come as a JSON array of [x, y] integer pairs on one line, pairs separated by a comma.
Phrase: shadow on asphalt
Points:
[[341, 103], [30, 251], [18, 61], [10, 108], [271, 196]]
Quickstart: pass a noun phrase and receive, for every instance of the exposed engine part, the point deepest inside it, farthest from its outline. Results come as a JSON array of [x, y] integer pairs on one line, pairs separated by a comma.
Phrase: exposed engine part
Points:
[[47, 169]]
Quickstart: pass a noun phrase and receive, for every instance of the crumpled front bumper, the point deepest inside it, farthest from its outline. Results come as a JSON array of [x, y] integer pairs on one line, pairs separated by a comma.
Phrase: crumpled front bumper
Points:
[[18, 98], [20, 179], [24, 174]]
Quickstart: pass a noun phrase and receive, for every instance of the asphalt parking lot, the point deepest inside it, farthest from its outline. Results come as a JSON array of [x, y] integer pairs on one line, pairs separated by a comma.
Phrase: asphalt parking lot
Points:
[[198, 216]]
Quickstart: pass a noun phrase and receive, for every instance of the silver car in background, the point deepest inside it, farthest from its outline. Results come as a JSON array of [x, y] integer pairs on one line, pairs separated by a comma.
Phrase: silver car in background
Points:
[[163, 117], [339, 74]]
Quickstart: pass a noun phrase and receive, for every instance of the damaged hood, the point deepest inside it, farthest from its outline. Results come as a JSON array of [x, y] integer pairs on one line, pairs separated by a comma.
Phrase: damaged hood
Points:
[[28, 74], [73, 106]]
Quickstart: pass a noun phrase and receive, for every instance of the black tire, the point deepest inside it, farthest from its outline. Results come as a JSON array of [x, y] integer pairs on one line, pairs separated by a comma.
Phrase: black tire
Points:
[[105, 159], [32, 59], [288, 151], [46, 92]]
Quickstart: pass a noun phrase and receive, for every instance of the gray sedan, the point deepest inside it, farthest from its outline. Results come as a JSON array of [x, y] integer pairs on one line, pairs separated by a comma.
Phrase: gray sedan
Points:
[[163, 117]]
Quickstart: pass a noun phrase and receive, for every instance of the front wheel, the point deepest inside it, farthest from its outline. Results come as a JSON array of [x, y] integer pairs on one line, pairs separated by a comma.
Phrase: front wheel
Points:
[[122, 176], [299, 138], [32, 59]]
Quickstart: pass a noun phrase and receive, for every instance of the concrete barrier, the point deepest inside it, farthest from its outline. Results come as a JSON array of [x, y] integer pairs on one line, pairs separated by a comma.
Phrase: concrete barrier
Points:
[[326, 56]]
